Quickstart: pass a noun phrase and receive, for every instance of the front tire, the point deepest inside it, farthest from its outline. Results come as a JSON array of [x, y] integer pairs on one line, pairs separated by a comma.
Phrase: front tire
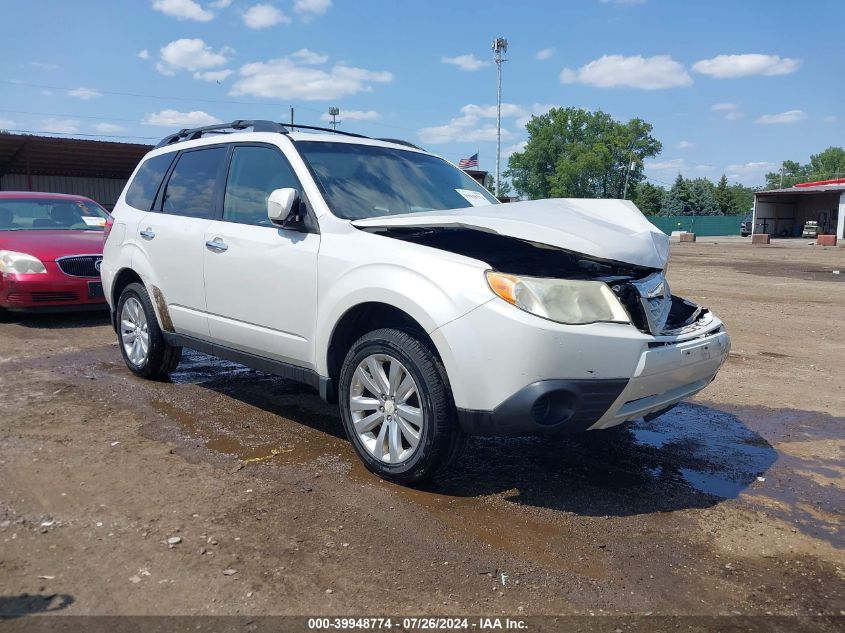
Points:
[[140, 339], [397, 407]]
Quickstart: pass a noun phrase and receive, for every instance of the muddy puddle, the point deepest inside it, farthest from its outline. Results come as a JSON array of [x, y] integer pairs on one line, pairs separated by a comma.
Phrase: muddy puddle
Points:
[[788, 463]]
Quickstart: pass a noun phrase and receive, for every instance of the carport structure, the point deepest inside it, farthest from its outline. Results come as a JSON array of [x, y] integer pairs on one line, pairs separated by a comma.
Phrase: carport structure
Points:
[[97, 169], [783, 212]]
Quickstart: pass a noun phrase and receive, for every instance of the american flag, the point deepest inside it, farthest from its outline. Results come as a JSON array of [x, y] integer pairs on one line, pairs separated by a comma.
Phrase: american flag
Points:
[[466, 163]]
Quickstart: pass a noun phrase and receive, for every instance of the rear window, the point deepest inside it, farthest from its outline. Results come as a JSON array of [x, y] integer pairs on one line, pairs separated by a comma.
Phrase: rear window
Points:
[[145, 185], [29, 214]]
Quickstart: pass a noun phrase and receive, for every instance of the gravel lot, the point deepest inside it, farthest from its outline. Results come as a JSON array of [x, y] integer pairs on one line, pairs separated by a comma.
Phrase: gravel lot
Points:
[[228, 491]]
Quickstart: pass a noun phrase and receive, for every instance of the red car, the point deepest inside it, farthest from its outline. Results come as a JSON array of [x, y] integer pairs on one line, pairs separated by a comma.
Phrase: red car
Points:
[[51, 247]]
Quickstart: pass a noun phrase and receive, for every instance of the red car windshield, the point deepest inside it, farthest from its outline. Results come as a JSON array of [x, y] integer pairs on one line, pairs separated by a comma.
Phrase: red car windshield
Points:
[[31, 214]]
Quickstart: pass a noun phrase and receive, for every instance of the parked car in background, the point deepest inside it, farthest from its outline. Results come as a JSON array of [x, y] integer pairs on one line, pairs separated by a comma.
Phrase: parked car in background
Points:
[[51, 247], [402, 289], [746, 227]]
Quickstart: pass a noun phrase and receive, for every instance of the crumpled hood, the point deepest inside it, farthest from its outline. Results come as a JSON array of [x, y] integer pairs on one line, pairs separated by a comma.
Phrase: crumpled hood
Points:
[[606, 229]]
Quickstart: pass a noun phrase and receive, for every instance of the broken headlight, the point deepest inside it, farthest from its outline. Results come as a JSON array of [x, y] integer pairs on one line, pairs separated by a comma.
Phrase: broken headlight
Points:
[[562, 300]]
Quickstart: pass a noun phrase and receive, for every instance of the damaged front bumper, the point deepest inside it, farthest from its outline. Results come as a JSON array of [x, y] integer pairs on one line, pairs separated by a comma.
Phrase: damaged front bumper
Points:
[[543, 377]]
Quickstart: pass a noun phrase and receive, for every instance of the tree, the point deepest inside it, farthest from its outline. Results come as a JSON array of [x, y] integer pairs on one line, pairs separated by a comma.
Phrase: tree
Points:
[[702, 198], [490, 184], [677, 200], [575, 153], [723, 196], [649, 198], [828, 164]]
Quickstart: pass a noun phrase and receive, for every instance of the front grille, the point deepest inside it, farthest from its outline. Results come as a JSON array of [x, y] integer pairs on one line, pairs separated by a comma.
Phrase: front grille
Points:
[[648, 301], [54, 296], [80, 266]]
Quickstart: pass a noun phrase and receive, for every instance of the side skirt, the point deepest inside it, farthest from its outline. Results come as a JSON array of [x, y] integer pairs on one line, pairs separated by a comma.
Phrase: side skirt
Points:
[[275, 367]]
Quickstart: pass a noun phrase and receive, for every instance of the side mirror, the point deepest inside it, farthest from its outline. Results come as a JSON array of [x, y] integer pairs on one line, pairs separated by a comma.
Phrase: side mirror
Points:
[[283, 206]]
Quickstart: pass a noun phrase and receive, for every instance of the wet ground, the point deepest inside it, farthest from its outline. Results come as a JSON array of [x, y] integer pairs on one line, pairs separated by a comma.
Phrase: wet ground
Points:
[[730, 504]]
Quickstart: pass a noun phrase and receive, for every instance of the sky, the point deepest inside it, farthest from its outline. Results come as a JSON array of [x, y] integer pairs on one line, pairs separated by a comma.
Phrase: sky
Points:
[[731, 87]]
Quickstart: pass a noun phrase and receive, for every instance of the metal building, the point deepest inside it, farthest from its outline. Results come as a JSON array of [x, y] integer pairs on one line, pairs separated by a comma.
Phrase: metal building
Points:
[[784, 212], [96, 169]]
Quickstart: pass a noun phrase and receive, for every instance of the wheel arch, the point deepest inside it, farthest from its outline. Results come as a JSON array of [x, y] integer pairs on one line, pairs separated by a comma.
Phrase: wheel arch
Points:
[[357, 321]]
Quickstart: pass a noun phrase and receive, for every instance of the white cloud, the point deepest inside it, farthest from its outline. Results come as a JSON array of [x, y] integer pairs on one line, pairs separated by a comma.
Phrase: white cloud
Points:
[[6, 124], [220, 4], [107, 128], [750, 172], [512, 149], [674, 165], [191, 55], [174, 118], [686, 145], [731, 110], [645, 73], [790, 116], [262, 16], [831, 119], [60, 126], [292, 78], [43, 66], [183, 10], [476, 123], [465, 62], [309, 57], [143, 54], [312, 7], [544, 54], [731, 66], [353, 115], [84, 93], [213, 75]]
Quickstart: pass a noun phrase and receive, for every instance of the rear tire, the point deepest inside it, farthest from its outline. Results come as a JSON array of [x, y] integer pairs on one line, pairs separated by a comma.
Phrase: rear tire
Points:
[[140, 338], [397, 407]]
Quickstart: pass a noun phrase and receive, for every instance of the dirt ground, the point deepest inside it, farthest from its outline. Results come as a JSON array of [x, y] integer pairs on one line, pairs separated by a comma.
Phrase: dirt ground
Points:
[[730, 504]]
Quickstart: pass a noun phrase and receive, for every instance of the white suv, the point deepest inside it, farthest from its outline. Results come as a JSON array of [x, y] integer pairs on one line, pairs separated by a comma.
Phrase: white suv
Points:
[[391, 281]]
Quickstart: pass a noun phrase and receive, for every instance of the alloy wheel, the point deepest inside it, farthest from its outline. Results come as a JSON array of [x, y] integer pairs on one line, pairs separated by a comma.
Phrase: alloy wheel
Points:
[[134, 331], [386, 409]]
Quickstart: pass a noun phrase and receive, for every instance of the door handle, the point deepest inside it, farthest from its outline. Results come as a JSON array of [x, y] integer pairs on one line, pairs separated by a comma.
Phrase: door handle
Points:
[[217, 245], [147, 233]]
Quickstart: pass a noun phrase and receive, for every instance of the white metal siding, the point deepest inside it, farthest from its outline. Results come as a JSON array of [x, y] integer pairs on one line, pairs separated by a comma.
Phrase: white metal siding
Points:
[[106, 191]]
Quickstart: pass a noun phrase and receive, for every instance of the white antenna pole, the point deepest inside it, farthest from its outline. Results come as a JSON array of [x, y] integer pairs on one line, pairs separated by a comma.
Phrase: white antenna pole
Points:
[[500, 48]]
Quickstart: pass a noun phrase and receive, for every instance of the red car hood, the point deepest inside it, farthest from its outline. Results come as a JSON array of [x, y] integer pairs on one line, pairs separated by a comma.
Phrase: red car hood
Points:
[[48, 244]]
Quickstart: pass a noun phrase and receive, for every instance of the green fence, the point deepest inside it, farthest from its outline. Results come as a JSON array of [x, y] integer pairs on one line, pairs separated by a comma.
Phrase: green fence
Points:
[[702, 225]]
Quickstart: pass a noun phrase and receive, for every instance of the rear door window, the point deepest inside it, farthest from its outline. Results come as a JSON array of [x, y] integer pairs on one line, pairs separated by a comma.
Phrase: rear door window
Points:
[[144, 187], [191, 187]]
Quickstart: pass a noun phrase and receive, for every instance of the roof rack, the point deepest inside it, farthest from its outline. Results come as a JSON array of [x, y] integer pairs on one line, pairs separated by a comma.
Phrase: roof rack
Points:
[[325, 129], [220, 128], [258, 125], [399, 141]]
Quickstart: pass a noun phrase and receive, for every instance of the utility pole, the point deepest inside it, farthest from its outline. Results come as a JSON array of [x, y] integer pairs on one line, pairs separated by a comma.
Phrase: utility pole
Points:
[[781, 176], [500, 49], [333, 112], [291, 116]]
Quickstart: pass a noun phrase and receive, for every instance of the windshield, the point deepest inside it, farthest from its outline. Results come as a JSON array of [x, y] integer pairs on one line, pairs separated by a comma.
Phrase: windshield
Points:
[[361, 181], [29, 214]]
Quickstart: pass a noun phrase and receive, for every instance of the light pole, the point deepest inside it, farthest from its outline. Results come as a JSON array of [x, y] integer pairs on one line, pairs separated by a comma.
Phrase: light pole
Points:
[[333, 112], [500, 49]]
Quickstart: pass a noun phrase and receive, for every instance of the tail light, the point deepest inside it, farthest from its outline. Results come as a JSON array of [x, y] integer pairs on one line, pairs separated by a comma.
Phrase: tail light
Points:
[[107, 228]]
